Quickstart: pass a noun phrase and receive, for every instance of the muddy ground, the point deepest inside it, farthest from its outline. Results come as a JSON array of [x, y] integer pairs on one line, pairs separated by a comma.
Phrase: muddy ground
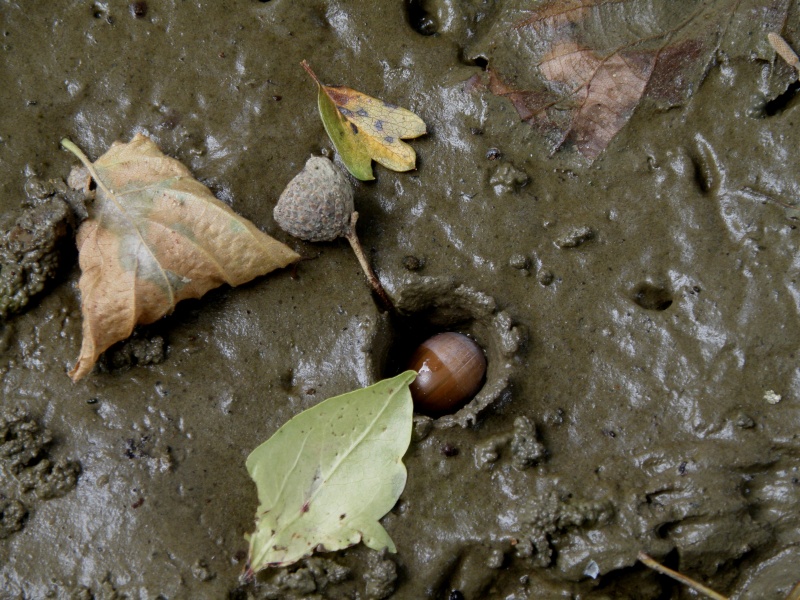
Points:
[[639, 312]]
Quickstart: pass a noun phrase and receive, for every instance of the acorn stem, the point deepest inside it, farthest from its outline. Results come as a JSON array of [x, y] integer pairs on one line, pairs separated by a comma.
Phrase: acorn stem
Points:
[[352, 237]]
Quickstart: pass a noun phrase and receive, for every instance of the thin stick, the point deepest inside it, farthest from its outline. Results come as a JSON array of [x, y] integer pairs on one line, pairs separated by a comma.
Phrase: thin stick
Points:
[[352, 237], [783, 48], [699, 587]]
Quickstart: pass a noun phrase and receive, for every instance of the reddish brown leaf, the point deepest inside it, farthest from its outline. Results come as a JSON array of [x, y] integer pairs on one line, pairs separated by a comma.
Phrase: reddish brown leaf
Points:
[[580, 68]]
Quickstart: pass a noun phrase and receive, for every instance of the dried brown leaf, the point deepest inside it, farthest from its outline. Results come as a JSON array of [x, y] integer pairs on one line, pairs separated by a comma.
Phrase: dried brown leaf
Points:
[[156, 236], [580, 68]]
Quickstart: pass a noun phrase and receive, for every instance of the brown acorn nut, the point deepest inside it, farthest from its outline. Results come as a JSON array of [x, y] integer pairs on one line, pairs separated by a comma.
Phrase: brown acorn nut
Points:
[[316, 205], [450, 370]]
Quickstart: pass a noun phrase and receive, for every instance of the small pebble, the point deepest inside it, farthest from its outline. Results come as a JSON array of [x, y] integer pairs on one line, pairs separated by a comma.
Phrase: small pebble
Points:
[[518, 261], [575, 237], [413, 263], [545, 276], [493, 154], [771, 397]]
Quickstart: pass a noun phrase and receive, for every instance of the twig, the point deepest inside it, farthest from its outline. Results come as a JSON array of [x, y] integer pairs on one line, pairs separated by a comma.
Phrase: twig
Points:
[[783, 48], [352, 237], [699, 587], [795, 593]]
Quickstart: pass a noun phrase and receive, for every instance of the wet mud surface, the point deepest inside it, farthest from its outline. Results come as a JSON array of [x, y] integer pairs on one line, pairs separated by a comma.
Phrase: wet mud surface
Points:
[[639, 313]]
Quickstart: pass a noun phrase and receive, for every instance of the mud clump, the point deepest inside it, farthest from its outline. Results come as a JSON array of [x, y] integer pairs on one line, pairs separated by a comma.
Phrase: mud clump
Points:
[[521, 443], [30, 253], [138, 350], [549, 516], [24, 452], [12, 517], [22, 441]]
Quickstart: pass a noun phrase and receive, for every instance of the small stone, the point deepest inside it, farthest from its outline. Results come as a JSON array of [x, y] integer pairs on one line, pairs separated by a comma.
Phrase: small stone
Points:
[[316, 205], [507, 179], [493, 154], [495, 559], [201, 571], [744, 421], [545, 276], [413, 263], [771, 397], [518, 261], [592, 570], [575, 237]]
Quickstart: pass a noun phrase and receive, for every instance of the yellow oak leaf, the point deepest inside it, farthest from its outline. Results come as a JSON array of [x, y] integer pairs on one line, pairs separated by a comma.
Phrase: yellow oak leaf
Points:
[[363, 129], [156, 236]]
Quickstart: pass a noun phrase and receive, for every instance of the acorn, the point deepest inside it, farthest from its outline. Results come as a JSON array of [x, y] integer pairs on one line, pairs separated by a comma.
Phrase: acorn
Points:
[[317, 206], [450, 370]]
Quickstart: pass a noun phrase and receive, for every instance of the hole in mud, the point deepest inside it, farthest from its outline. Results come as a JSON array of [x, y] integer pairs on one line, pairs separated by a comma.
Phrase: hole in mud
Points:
[[431, 305], [450, 363], [420, 19], [651, 297], [778, 104], [481, 61]]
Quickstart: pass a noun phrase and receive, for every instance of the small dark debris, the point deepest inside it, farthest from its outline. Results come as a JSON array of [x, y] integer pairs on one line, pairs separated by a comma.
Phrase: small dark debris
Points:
[[138, 503], [476, 131], [139, 9], [449, 450], [277, 98], [455, 595], [493, 154], [682, 468], [413, 263]]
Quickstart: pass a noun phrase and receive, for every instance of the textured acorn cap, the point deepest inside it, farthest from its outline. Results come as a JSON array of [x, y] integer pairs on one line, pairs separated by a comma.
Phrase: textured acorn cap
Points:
[[316, 205]]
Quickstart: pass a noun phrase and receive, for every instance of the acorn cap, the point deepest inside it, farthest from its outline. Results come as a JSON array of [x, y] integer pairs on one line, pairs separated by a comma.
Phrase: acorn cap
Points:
[[316, 205]]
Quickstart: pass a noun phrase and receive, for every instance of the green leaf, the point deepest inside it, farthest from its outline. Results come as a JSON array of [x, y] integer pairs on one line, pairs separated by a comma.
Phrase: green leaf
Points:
[[327, 476]]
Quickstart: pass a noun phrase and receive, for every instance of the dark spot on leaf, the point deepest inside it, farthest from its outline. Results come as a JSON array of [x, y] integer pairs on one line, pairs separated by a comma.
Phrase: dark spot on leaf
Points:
[[353, 127], [304, 509], [342, 516], [378, 125], [346, 112], [362, 113], [389, 139]]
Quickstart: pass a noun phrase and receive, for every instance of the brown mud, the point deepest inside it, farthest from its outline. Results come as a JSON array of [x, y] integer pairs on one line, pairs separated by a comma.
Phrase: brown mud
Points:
[[639, 313]]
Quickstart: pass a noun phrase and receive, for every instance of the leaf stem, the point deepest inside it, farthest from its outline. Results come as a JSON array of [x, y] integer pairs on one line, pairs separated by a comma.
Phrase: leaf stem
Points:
[[307, 67], [698, 587], [352, 237], [67, 143]]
